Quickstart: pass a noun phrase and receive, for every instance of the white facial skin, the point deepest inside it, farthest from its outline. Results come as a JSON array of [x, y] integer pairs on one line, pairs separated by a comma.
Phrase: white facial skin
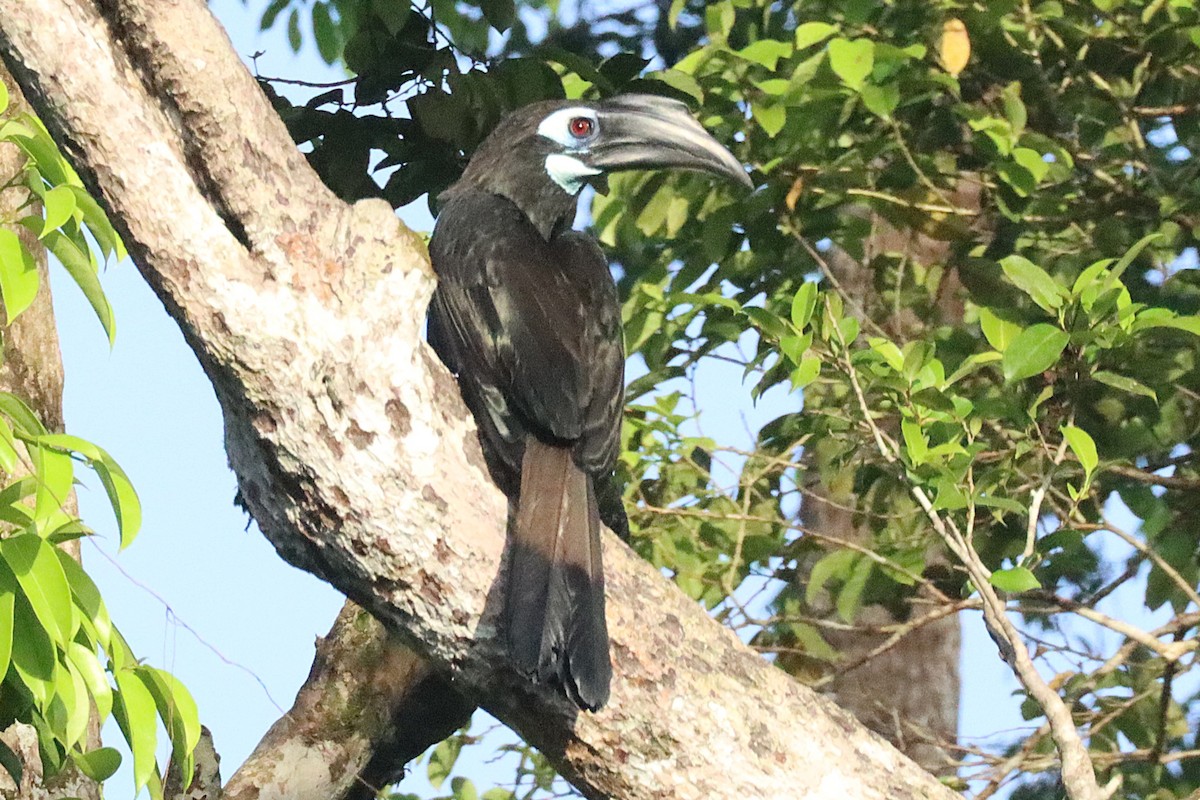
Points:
[[573, 129]]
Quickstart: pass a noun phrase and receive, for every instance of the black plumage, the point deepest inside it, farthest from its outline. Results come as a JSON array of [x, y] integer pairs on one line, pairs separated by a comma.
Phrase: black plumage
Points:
[[527, 316]]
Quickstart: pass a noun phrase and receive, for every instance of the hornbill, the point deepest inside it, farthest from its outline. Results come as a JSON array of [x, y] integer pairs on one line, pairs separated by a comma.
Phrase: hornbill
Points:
[[526, 314]]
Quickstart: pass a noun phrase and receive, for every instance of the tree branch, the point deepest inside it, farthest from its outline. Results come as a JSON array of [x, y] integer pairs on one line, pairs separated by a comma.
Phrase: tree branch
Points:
[[351, 447]]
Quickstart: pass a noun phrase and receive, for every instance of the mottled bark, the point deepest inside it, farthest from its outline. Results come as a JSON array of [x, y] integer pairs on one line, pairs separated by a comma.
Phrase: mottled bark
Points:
[[32, 369], [350, 443]]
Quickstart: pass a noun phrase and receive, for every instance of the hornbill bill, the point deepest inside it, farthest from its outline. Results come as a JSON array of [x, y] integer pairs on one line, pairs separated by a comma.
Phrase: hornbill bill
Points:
[[526, 314]]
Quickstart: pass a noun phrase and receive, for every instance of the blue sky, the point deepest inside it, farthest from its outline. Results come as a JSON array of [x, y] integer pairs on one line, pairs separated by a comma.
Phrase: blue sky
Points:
[[204, 597]]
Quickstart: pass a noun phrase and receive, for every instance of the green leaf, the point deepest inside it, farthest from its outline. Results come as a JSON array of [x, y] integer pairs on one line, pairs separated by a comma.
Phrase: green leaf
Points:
[[915, 443], [441, 761], [719, 18], [325, 32], [98, 223], [1082, 446], [836, 564], [3, 108], [121, 494], [293, 35], [1017, 579], [23, 418], [6, 629], [393, 13], [807, 371], [682, 82], [8, 448], [1131, 254], [36, 567], [178, 712], [1124, 384], [60, 205], [1191, 324], [1032, 161], [881, 99], [55, 475], [1034, 350], [87, 598], [99, 764], [499, 13], [852, 60], [19, 279], [771, 117], [970, 365], [463, 789], [1034, 281], [33, 653], [85, 662], [803, 304], [810, 33], [8, 759], [765, 321], [70, 709], [80, 268], [849, 598], [271, 12], [135, 713], [498, 793], [766, 52], [999, 332]]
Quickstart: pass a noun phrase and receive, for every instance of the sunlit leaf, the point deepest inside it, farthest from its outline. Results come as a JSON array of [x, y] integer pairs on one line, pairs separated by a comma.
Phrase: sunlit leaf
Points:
[[811, 33], [60, 206], [135, 712], [1034, 281], [1014, 580], [1035, 350], [1082, 446], [19, 279], [1125, 384], [121, 494], [6, 628], [999, 332], [852, 60], [41, 577], [80, 268]]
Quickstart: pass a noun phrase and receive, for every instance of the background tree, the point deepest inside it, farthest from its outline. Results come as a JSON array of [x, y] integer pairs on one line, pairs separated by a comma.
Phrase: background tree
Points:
[[270, 281]]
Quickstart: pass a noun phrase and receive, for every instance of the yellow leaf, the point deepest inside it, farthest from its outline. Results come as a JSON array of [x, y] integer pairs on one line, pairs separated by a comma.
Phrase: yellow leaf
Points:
[[794, 193], [955, 47]]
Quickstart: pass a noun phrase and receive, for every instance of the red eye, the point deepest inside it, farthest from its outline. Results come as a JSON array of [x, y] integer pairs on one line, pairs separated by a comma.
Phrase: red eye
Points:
[[582, 127]]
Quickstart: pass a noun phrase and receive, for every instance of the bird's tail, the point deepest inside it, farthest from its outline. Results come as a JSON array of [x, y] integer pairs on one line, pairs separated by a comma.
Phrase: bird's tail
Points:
[[555, 596]]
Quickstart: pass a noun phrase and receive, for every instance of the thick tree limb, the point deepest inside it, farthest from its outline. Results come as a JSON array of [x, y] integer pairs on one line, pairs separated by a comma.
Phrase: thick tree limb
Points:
[[350, 444], [369, 706]]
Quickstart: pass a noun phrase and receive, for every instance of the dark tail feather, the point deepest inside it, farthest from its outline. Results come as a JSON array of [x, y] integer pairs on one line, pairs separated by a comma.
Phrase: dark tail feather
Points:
[[555, 601]]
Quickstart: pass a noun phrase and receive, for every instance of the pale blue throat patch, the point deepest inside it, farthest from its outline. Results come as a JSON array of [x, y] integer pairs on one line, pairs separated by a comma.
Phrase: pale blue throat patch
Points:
[[568, 172]]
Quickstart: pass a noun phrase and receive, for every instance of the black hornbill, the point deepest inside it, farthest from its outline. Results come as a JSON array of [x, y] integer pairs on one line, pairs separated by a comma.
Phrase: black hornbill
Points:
[[526, 315]]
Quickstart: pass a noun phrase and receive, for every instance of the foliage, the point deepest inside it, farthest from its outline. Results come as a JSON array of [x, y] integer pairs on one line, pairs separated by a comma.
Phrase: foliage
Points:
[[969, 264], [63, 662]]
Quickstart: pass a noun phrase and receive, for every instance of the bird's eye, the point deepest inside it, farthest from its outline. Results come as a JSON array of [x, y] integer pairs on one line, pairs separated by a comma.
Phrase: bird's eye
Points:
[[582, 127]]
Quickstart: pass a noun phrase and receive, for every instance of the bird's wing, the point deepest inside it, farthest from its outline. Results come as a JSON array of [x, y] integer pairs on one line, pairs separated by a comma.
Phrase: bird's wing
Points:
[[533, 327]]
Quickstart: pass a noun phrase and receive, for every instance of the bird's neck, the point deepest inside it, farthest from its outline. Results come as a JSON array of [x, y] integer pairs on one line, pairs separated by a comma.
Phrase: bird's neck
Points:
[[549, 208]]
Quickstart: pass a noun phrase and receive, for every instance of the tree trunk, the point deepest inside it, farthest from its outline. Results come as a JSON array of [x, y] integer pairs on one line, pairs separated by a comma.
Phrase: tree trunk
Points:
[[352, 448], [908, 693]]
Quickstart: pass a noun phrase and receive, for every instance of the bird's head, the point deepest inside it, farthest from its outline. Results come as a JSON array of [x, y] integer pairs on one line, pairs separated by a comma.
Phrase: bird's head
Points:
[[542, 155]]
